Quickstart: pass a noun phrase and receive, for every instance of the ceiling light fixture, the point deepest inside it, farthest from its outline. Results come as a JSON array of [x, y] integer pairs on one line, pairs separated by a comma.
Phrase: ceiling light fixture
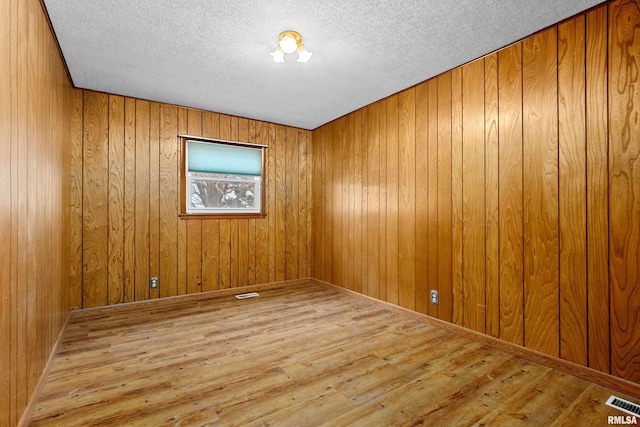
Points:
[[289, 42]]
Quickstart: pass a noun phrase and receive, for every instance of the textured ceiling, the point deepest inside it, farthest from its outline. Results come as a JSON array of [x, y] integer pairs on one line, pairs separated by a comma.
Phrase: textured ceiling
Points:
[[214, 55]]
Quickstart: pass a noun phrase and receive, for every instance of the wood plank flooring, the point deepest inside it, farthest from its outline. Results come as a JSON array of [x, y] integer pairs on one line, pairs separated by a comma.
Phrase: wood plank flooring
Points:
[[295, 356]]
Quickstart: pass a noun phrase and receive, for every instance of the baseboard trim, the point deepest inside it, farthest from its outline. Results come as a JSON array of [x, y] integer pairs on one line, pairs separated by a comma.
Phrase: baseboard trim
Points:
[[187, 297], [25, 419], [579, 371]]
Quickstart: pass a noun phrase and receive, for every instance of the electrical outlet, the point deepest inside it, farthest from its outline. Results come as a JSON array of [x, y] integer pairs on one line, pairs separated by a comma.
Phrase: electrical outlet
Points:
[[153, 282], [434, 297]]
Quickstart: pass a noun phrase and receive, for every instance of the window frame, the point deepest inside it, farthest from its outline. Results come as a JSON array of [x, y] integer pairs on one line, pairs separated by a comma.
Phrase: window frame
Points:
[[184, 192]]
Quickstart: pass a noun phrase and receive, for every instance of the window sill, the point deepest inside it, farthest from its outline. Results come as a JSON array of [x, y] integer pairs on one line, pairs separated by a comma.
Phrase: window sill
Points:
[[222, 216]]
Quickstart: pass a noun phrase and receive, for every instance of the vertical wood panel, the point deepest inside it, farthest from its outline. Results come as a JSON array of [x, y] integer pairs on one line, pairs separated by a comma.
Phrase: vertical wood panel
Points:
[[373, 202], [445, 308], [76, 195], [271, 198], [624, 197], [473, 197], [42, 212], [540, 148], [115, 205], [342, 144], [142, 201], [456, 194], [19, 356], [572, 192], [597, 191], [291, 203], [129, 198], [262, 225], [510, 189], [355, 224], [328, 202], [432, 193], [382, 122], [361, 285], [492, 264], [407, 200], [303, 205], [422, 280], [392, 200], [280, 193], [6, 170], [182, 225], [95, 202], [154, 196], [169, 199]]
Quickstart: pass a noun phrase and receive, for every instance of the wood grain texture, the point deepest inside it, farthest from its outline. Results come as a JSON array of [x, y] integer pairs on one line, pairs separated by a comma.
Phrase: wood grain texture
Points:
[[291, 196], [141, 207], [154, 195], [382, 112], [360, 265], [351, 142], [75, 195], [169, 203], [182, 225], [342, 196], [392, 200], [473, 197], [456, 195], [533, 103], [358, 364], [540, 178], [432, 193], [281, 207], [423, 284], [115, 206], [6, 160], [129, 198], [492, 183], [303, 163], [510, 195], [407, 198], [41, 172], [572, 191], [327, 179], [262, 225], [624, 190], [597, 191], [190, 256], [372, 167], [95, 200], [445, 271]]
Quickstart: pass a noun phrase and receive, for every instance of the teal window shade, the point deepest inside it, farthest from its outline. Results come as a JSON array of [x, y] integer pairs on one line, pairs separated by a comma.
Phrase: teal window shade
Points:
[[211, 157]]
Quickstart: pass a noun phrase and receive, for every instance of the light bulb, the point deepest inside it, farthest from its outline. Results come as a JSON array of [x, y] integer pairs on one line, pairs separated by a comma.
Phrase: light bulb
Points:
[[278, 55], [303, 54], [288, 44]]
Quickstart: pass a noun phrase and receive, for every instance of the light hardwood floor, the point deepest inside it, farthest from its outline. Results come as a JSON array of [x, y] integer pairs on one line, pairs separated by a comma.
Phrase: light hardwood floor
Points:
[[297, 355]]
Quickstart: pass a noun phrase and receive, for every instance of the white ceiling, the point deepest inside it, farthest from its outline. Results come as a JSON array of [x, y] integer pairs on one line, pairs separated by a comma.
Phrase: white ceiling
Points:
[[214, 55]]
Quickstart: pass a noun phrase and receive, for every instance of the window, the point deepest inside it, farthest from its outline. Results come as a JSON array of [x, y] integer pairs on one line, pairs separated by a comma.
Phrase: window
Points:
[[222, 177]]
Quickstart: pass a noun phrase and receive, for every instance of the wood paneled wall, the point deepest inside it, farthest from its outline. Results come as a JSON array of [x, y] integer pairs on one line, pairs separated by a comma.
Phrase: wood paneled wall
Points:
[[35, 112], [511, 185], [125, 163]]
